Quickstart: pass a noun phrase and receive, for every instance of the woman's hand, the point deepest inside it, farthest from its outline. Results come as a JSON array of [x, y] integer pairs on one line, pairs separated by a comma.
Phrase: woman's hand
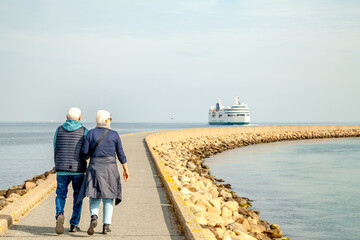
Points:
[[126, 172], [126, 175]]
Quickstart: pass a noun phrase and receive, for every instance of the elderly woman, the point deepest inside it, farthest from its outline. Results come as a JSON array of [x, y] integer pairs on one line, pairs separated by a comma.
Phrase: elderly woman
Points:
[[102, 179]]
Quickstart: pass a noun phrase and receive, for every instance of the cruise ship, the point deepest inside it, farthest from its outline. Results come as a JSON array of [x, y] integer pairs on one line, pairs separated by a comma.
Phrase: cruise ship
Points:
[[238, 113]]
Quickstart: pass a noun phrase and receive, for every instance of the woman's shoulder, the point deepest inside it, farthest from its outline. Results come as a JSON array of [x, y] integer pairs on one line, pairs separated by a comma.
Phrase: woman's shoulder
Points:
[[113, 132]]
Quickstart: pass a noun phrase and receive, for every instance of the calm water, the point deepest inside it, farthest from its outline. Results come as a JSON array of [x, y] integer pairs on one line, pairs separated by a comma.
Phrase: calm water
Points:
[[26, 149], [309, 187]]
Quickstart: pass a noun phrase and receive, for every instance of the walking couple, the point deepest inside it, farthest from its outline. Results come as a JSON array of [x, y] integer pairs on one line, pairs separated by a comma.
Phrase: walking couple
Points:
[[73, 145]]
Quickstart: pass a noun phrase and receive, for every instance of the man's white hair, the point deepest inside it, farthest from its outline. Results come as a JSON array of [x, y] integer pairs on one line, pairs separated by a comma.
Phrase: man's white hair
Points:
[[73, 113], [102, 116]]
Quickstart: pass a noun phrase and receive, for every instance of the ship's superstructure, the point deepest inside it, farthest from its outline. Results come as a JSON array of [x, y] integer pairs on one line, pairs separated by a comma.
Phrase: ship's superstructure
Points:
[[238, 113]]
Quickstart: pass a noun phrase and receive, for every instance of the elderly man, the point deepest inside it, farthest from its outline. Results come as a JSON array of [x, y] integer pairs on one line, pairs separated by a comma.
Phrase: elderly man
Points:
[[70, 167]]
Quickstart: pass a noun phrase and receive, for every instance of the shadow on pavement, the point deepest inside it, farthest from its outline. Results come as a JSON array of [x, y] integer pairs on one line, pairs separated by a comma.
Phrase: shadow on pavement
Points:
[[45, 231]]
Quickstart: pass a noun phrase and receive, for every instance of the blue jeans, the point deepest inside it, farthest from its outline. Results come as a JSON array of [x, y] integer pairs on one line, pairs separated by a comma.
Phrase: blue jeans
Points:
[[107, 208], [61, 192]]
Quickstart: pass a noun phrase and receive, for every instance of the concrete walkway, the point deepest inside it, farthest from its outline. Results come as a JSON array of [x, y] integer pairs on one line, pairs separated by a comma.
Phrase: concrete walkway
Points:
[[143, 214]]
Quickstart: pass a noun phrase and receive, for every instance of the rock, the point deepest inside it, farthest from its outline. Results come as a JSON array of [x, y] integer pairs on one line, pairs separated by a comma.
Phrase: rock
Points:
[[211, 229], [191, 187], [191, 166], [213, 219], [16, 187], [273, 233], [2, 198], [226, 213], [213, 192], [258, 228], [234, 195], [12, 197], [274, 226], [9, 192], [231, 205], [227, 236], [3, 192], [21, 192], [225, 194], [243, 211], [29, 185], [39, 181], [246, 224], [194, 198], [200, 218], [202, 202], [214, 210], [217, 202], [237, 228], [252, 221], [186, 191], [197, 208], [261, 236], [183, 178], [3, 203], [244, 236], [209, 233]]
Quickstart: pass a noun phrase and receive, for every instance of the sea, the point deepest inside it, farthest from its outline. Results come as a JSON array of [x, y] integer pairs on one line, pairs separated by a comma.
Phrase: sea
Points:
[[309, 187]]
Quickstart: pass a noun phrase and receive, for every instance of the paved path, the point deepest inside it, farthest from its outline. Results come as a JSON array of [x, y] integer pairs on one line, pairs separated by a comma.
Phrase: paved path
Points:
[[143, 214]]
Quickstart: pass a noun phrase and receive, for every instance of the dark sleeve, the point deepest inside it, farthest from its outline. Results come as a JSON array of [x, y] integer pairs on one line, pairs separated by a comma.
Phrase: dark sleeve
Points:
[[85, 147], [119, 149]]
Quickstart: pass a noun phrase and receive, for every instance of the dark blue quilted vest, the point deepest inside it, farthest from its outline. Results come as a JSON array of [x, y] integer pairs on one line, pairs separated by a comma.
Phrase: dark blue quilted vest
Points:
[[67, 150]]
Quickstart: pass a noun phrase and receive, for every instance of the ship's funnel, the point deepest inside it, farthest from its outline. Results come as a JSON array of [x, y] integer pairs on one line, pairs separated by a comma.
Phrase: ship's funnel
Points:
[[217, 107]]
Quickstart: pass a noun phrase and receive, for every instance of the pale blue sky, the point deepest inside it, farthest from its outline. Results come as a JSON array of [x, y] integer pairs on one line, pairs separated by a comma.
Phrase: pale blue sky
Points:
[[290, 61]]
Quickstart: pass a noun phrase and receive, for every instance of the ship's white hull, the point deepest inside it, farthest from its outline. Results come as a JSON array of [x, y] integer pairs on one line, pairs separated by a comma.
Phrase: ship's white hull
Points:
[[221, 118]]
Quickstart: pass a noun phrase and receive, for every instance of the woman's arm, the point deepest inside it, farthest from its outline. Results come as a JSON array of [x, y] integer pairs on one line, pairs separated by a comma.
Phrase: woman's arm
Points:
[[119, 150]]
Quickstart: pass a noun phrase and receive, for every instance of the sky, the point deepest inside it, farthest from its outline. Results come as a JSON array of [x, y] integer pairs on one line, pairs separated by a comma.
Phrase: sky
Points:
[[162, 61]]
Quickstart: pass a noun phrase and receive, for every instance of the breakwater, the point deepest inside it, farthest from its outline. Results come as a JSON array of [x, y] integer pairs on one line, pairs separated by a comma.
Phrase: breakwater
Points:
[[10, 195], [207, 208], [16, 201]]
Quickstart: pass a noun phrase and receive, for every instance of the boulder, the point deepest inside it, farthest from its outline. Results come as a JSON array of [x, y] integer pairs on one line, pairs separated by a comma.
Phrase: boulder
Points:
[[226, 213], [273, 233], [225, 194], [261, 236], [258, 228], [191, 166], [213, 192], [243, 211], [246, 224], [3, 203], [274, 226], [244, 236], [237, 228], [196, 208], [231, 205], [215, 210], [29, 185], [200, 218], [213, 219], [203, 202]]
